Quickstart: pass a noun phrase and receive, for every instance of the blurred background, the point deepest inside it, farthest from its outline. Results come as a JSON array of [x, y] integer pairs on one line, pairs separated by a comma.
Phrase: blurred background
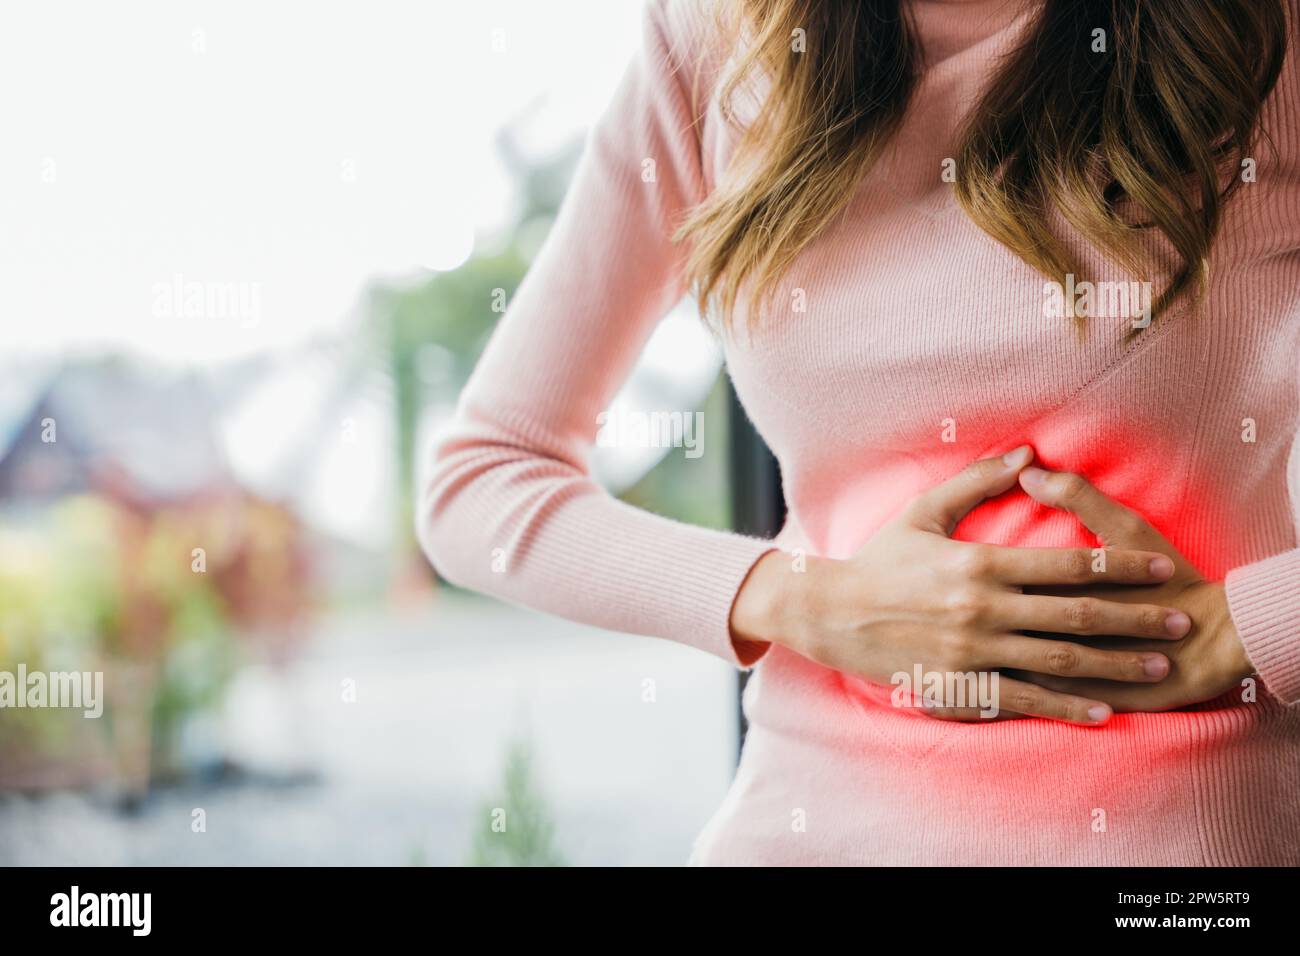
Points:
[[250, 254]]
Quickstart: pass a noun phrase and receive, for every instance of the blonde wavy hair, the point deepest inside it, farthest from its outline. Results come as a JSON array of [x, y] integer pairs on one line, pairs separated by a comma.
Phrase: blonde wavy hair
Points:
[[1161, 120]]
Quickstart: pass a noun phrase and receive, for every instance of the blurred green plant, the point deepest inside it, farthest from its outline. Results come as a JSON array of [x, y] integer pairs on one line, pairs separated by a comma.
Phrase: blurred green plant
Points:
[[452, 311], [96, 585], [430, 337], [517, 830], [452, 314]]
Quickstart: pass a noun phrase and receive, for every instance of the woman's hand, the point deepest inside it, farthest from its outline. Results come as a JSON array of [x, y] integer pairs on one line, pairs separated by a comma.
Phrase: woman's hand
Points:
[[913, 596], [1207, 662]]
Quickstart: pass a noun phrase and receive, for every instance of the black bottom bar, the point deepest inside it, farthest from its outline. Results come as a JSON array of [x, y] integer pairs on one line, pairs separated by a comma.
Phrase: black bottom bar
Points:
[[987, 907]]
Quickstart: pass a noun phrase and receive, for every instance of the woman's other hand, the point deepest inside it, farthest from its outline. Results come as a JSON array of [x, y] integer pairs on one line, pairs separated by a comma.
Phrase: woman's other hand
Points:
[[1206, 663], [913, 596]]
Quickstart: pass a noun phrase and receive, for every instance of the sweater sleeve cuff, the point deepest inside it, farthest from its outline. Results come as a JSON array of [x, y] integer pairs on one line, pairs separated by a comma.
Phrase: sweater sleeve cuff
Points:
[[732, 569], [1264, 599]]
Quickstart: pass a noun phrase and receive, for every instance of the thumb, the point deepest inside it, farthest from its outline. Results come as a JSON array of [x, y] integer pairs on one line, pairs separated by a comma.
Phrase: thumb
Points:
[[1112, 522], [940, 508]]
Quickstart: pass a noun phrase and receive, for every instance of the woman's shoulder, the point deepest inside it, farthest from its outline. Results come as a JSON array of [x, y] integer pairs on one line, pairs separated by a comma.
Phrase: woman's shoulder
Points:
[[1281, 109], [692, 27], [695, 42]]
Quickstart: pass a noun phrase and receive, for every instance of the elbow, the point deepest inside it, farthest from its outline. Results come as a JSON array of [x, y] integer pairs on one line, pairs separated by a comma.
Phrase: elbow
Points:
[[481, 495], [439, 527], [432, 544], [447, 551]]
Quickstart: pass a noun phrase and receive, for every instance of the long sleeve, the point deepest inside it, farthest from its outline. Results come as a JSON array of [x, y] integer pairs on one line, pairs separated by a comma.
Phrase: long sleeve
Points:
[[1264, 599], [510, 508]]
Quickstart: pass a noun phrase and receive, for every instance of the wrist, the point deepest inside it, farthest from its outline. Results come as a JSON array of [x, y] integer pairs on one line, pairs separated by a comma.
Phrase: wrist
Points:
[[776, 603], [1234, 664], [1239, 664]]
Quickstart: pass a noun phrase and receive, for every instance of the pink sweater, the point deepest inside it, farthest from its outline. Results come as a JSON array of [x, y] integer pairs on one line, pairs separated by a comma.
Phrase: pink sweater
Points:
[[913, 317]]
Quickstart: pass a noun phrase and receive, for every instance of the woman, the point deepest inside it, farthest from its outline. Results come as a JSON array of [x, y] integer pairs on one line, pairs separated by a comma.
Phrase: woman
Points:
[[911, 222]]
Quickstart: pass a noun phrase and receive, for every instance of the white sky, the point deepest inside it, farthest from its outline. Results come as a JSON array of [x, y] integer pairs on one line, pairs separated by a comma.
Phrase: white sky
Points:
[[135, 163]]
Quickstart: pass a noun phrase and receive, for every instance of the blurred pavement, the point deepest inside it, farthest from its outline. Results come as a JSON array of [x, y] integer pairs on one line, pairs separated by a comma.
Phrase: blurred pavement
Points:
[[403, 774]]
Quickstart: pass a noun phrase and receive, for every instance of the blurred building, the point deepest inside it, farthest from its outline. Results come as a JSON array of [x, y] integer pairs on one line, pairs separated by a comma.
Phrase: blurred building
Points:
[[109, 428]]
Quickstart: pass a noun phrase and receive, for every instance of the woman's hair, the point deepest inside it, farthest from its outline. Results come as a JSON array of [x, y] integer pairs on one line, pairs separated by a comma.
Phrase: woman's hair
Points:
[[1159, 122]]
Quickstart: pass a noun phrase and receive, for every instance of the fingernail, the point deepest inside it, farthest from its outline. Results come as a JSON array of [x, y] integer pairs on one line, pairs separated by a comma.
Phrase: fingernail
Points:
[[1098, 713], [1033, 476], [1161, 568], [1178, 624], [1155, 666], [1018, 457]]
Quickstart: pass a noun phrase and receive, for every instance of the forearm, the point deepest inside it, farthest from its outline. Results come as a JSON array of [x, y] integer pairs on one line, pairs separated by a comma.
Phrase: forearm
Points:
[[538, 533]]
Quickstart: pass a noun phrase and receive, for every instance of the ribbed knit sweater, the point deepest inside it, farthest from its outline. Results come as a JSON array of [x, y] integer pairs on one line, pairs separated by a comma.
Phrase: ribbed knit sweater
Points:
[[922, 344]]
